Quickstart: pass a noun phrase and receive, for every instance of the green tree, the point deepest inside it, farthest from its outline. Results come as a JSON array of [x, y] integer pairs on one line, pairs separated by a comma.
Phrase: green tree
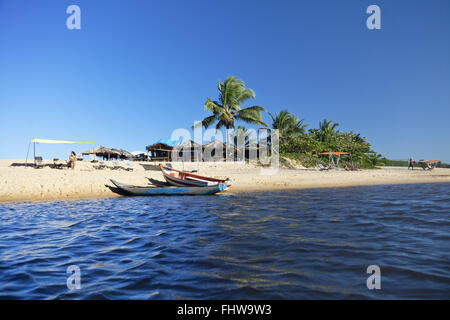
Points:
[[326, 131], [242, 134], [227, 109], [288, 125]]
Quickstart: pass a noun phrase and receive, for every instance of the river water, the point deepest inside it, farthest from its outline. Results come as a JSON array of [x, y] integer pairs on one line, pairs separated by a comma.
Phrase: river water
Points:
[[302, 244]]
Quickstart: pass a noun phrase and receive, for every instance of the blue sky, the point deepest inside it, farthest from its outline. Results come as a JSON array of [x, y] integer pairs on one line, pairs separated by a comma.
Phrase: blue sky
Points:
[[137, 70]]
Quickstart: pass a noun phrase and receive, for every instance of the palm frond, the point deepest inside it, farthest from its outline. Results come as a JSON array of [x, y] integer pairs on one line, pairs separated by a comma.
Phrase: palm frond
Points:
[[211, 105], [208, 121], [243, 97], [227, 109], [251, 119]]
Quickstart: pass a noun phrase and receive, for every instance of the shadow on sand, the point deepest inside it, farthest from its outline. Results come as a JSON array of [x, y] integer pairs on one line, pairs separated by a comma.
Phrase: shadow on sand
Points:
[[154, 182], [22, 164], [117, 190]]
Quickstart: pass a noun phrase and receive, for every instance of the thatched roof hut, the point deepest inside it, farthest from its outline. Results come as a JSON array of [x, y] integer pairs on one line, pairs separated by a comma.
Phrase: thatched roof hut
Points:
[[160, 151], [99, 151], [216, 144], [163, 145], [189, 144], [158, 147], [93, 151], [214, 151], [189, 149], [108, 153], [125, 154]]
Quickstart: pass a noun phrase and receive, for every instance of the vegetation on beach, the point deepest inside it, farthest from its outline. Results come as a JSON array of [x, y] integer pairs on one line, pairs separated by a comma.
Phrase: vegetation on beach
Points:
[[288, 125], [295, 141], [306, 147]]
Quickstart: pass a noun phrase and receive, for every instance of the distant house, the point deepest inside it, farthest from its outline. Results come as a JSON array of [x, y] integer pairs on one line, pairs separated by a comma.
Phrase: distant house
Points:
[[108, 153], [161, 150], [214, 151], [141, 155]]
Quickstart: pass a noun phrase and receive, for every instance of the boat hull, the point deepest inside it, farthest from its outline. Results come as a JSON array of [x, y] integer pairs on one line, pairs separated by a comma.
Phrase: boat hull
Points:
[[185, 179], [168, 191]]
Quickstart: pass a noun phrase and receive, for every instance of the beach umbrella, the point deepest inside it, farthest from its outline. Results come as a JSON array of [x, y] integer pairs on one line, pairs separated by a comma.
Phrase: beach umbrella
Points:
[[330, 153]]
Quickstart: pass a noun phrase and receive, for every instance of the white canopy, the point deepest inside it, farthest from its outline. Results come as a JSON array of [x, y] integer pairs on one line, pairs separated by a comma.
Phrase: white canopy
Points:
[[136, 153]]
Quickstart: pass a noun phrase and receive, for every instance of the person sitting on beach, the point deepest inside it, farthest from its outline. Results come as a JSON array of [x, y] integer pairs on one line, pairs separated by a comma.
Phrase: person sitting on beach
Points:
[[426, 166], [72, 160], [411, 163]]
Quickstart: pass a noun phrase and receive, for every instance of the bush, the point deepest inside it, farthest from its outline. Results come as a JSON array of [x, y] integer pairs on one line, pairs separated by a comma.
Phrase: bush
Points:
[[306, 148]]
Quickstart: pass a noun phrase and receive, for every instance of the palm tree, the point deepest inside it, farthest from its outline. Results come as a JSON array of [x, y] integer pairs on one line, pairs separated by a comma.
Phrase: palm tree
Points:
[[327, 130], [227, 109], [242, 134], [288, 125]]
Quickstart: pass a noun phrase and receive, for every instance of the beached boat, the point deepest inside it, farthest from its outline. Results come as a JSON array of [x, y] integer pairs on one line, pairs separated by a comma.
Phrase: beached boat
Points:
[[186, 179], [168, 191]]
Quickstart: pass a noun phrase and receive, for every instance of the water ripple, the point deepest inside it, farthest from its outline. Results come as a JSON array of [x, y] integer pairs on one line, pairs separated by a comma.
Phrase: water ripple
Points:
[[305, 244]]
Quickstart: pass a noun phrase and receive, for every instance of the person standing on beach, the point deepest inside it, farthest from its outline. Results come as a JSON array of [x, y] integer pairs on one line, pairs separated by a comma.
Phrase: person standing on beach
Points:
[[72, 160], [411, 163]]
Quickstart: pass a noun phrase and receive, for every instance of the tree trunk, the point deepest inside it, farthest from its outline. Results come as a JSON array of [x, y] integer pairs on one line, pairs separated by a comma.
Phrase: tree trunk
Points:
[[228, 147]]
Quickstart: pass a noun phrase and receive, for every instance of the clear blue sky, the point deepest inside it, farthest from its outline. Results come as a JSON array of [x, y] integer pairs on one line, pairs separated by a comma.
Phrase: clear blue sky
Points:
[[139, 69]]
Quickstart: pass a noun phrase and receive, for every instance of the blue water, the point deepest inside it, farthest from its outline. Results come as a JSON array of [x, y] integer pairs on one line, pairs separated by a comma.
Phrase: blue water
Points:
[[304, 244]]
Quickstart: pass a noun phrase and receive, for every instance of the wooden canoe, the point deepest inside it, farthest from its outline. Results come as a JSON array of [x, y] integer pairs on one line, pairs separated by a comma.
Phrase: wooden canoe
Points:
[[186, 179], [168, 191]]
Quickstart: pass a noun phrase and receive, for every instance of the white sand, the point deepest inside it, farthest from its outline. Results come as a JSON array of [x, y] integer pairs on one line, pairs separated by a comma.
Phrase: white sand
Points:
[[27, 183]]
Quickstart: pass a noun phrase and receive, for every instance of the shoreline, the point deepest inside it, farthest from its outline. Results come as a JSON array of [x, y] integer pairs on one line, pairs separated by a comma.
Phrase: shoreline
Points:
[[232, 191], [19, 183]]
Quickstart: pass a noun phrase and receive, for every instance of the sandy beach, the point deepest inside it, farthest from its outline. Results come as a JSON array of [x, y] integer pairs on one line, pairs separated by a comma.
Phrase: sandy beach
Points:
[[20, 183]]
